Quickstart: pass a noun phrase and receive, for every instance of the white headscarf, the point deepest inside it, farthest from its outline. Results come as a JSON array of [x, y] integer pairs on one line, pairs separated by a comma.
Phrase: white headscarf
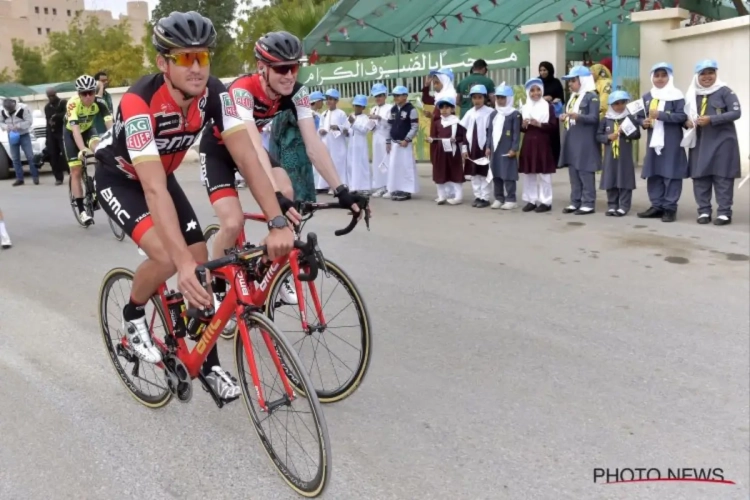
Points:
[[535, 110], [498, 123], [587, 85], [667, 93], [448, 89], [695, 89]]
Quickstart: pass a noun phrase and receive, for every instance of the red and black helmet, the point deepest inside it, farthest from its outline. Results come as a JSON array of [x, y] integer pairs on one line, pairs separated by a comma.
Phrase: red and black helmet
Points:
[[278, 47]]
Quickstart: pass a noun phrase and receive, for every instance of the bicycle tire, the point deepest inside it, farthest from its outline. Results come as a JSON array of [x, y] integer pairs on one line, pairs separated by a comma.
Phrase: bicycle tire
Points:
[[112, 276], [347, 388], [210, 231], [116, 230], [73, 205], [315, 487]]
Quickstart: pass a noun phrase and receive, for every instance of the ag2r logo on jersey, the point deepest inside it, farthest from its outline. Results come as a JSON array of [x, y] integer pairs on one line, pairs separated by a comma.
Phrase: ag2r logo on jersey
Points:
[[243, 98], [228, 106], [138, 132]]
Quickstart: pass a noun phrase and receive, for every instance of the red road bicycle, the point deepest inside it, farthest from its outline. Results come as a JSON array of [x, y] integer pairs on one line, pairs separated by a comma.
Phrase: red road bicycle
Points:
[[339, 373], [181, 364]]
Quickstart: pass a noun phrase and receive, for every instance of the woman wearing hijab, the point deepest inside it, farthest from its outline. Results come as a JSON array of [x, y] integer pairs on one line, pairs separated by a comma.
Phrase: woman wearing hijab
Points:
[[665, 164], [714, 158], [441, 81], [580, 150], [553, 93], [536, 162]]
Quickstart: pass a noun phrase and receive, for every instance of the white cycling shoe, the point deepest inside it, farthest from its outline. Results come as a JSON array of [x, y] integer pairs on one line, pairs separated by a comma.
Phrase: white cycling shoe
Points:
[[85, 218], [287, 294], [224, 385], [139, 340]]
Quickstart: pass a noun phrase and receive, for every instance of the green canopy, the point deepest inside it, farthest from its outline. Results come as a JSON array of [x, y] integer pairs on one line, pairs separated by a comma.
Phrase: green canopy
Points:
[[372, 28], [59, 86], [15, 90]]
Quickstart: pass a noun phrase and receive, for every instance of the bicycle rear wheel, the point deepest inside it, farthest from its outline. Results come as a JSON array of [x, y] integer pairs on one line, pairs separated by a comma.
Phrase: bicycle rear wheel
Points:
[[208, 234], [270, 340], [151, 391], [116, 230], [335, 350]]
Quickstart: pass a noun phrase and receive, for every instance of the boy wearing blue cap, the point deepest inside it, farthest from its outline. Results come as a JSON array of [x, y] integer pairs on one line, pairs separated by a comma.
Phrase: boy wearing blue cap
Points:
[[402, 169], [714, 158], [357, 160], [316, 103], [503, 142], [380, 113], [475, 121], [446, 137], [665, 163], [618, 176], [580, 151], [334, 128]]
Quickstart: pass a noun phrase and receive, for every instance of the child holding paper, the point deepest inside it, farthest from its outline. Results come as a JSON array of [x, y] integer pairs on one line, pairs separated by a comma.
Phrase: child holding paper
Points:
[[476, 165], [447, 163], [503, 142], [617, 132], [357, 158]]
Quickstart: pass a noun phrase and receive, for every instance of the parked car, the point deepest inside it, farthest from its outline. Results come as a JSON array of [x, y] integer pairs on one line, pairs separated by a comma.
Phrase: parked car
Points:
[[38, 144]]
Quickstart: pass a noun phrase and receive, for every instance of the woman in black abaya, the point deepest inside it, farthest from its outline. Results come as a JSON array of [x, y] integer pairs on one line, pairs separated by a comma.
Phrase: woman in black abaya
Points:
[[553, 93]]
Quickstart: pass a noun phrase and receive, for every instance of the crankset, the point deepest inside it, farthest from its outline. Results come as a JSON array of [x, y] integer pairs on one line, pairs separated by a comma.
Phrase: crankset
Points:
[[178, 378]]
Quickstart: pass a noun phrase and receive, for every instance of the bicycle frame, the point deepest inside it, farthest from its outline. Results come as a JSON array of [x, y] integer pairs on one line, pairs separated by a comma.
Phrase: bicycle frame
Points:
[[233, 304]]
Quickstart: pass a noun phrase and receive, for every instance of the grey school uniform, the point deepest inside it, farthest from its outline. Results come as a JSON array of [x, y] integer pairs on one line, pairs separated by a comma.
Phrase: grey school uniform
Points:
[[582, 154], [715, 159], [664, 173], [505, 169], [618, 175]]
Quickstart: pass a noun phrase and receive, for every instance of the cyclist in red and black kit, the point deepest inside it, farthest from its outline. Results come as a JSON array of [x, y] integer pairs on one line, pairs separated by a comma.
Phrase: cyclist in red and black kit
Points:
[[157, 121], [261, 97]]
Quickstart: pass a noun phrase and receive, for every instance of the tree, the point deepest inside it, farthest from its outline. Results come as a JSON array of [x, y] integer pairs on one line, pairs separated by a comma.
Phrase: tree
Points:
[[5, 76], [225, 61], [31, 69], [87, 48]]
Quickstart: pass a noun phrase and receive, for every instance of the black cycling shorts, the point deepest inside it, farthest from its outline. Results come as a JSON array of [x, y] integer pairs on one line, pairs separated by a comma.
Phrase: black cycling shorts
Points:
[[71, 149], [125, 202], [218, 168]]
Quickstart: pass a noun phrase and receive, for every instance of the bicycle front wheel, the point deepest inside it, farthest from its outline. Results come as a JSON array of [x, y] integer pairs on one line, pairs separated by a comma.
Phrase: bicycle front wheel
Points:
[[336, 346], [73, 204], [309, 472]]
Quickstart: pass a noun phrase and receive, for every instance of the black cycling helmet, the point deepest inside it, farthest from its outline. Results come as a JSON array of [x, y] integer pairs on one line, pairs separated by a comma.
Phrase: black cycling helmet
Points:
[[278, 47], [181, 30]]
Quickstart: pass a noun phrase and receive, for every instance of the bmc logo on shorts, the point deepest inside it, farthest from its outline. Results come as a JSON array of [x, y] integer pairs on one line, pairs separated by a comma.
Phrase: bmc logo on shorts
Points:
[[138, 132], [243, 98], [115, 205]]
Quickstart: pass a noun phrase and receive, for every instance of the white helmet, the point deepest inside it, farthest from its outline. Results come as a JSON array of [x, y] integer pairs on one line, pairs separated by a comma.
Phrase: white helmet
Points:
[[85, 82]]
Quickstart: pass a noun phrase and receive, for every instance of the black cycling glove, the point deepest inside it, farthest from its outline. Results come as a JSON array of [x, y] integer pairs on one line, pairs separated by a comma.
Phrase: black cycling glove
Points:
[[284, 202], [347, 199]]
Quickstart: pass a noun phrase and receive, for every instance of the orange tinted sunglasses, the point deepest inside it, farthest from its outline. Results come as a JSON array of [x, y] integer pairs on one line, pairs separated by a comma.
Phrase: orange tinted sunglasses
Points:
[[187, 59]]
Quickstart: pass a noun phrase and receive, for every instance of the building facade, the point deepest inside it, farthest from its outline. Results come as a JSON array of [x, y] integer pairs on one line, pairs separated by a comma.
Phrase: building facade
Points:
[[32, 20]]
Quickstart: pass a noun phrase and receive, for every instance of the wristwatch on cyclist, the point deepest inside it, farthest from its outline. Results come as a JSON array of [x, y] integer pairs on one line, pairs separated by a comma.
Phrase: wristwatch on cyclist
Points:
[[278, 222], [343, 188]]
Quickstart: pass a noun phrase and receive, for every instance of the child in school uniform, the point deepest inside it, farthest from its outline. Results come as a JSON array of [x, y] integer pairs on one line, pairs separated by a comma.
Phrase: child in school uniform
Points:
[[503, 142], [402, 168], [380, 113], [447, 166], [714, 158], [475, 122], [580, 151], [665, 164], [333, 130], [357, 155], [316, 103], [618, 176]]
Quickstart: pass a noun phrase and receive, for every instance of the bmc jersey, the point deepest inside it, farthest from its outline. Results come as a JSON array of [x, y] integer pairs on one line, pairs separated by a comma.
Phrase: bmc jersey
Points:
[[254, 105], [150, 126]]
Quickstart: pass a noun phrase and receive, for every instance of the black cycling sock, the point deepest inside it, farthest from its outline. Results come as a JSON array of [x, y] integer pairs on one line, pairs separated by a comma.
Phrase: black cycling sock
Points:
[[79, 203], [133, 310], [211, 360]]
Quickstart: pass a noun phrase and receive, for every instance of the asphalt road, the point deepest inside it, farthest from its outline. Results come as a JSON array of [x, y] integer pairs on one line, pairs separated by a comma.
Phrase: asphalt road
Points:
[[514, 353]]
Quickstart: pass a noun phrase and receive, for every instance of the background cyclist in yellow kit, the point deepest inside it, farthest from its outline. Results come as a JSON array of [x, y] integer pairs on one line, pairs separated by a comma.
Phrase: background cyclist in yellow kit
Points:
[[80, 136]]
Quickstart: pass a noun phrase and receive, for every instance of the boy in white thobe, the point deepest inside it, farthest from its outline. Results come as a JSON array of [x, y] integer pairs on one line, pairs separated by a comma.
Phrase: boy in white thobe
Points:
[[402, 169], [334, 128], [316, 103], [380, 113], [358, 158]]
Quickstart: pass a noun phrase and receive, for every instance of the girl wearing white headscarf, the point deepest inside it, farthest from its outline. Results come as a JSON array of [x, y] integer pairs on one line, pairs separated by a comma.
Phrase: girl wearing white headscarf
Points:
[[441, 81], [503, 142], [714, 158], [580, 151], [665, 164], [537, 161]]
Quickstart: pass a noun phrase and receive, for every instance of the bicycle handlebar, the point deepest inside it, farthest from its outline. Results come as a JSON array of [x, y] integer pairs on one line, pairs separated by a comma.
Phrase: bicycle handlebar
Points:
[[307, 207]]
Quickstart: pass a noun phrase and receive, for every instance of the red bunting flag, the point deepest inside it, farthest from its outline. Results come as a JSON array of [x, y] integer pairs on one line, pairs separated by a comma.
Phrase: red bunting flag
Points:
[[444, 24], [494, 2], [676, 3], [609, 47], [574, 11], [344, 32], [621, 17], [518, 38], [608, 23], [392, 6], [415, 37], [643, 4], [476, 10], [583, 35], [597, 50], [560, 17], [313, 57], [622, 3], [657, 6], [632, 9], [327, 39], [460, 17], [588, 2], [429, 32], [361, 22], [596, 29], [572, 40]]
